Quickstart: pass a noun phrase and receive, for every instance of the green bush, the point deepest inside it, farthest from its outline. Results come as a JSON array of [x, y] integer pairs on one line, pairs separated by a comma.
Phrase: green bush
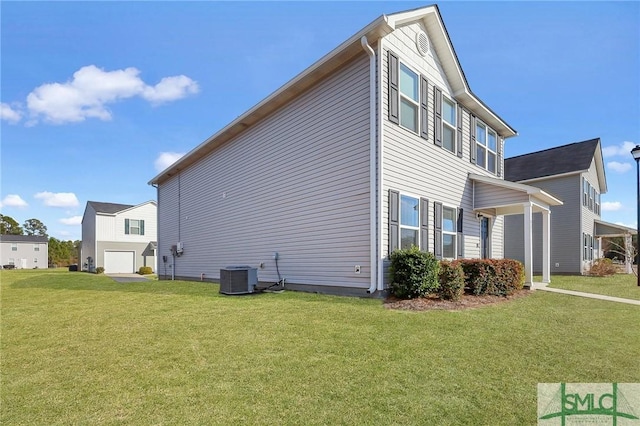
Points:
[[498, 277], [99, 270], [602, 267], [451, 278], [413, 273], [145, 270]]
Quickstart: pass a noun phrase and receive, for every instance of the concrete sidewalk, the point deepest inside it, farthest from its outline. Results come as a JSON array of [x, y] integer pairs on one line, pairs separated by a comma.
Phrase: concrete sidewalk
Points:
[[544, 287]]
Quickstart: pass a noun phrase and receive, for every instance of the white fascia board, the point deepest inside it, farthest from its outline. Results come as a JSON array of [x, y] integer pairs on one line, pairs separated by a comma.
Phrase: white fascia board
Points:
[[550, 177]]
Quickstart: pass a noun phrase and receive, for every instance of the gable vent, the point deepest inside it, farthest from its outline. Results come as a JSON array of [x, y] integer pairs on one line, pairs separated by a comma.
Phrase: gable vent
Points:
[[422, 43]]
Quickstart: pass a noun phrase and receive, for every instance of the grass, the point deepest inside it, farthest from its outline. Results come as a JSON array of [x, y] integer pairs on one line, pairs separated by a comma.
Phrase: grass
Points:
[[619, 285], [82, 349]]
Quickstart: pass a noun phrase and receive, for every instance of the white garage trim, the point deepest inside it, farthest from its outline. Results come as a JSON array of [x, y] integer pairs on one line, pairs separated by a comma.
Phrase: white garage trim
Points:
[[119, 261]]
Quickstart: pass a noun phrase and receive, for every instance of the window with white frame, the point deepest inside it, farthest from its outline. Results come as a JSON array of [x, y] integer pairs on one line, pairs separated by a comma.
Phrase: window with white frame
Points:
[[597, 206], [449, 123], [409, 98], [36, 247], [409, 222], [12, 261], [585, 192], [486, 147], [592, 193], [134, 226], [449, 232], [14, 246], [35, 260]]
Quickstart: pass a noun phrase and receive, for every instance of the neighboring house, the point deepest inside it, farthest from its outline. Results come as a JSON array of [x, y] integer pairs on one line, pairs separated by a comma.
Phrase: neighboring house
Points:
[[575, 173], [119, 237], [379, 145], [24, 251]]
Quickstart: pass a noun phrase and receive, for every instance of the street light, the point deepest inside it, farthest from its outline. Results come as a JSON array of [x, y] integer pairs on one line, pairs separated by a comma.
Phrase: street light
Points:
[[636, 156]]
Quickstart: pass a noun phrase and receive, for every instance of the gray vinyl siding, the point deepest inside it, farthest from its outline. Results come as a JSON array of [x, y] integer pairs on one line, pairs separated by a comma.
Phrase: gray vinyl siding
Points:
[[566, 233], [88, 236], [297, 183], [25, 250], [418, 167]]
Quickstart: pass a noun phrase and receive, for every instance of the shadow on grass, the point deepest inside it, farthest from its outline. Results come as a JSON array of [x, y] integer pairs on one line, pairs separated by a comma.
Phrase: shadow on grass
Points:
[[91, 282]]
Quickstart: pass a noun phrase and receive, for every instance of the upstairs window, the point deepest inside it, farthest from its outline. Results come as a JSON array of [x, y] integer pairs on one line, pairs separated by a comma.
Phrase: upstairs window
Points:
[[14, 246], [409, 98], [597, 209], [449, 120], [585, 192], [36, 247], [486, 147], [134, 227]]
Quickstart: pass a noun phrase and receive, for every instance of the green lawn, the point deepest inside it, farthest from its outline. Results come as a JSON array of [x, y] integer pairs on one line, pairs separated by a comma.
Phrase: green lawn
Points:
[[619, 285], [82, 349]]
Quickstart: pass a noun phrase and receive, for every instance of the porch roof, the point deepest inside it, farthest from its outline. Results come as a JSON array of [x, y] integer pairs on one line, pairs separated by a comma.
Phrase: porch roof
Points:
[[608, 229], [499, 197]]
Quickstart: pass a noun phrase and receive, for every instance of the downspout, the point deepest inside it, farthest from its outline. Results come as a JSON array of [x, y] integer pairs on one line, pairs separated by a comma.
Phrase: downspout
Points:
[[373, 229], [380, 170]]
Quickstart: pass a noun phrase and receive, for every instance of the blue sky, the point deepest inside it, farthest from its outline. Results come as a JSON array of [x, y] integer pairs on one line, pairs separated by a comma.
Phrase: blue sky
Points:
[[97, 96]]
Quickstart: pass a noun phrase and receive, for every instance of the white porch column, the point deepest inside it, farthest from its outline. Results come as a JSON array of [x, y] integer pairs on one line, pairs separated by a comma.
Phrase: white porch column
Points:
[[528, 245], [546, 247]]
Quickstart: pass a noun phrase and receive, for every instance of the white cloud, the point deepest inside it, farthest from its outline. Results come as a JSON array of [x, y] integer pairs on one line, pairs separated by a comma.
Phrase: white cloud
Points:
[[611, 206], [91, 89], [619, 167], [165, 159], [73, 220], [622, 149], [9, 114], [13, 200], [170, 89], [58, 199]]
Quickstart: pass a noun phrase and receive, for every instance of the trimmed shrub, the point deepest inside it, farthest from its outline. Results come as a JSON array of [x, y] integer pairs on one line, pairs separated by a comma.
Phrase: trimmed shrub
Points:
[[413, 273], [497, 277], [99, 270], [451, 279], [602, 267], [145, 270]]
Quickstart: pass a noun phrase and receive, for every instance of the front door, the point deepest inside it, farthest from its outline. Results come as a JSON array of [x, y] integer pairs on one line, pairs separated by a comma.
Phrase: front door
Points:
[[484, 237]]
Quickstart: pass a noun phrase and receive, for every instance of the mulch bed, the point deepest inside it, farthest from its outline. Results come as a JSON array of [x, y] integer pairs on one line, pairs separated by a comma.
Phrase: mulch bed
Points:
[[467, 302]]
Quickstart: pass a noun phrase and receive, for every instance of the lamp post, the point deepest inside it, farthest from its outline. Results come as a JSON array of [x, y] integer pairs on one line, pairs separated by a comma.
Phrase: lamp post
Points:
[[636, 156]]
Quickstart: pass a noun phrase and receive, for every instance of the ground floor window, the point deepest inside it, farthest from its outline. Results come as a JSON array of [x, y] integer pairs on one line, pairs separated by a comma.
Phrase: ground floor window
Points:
[[409, 222], [449, 232]]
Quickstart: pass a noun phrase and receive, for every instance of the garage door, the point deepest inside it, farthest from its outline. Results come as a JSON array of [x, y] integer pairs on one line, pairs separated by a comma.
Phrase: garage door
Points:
[[118, 262]]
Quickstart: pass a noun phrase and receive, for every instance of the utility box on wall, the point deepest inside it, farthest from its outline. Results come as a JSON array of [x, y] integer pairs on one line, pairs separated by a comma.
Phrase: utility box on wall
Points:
[[238, 280]]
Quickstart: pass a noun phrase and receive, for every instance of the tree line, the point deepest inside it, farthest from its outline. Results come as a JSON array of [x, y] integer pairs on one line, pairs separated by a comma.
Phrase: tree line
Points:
[[61, 253]]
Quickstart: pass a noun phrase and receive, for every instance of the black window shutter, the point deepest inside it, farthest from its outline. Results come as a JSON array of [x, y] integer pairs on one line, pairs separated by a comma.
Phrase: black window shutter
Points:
[[126, 226], [437, 230], [459, 136], [394, 94], [394, 220], [141, 227], [460, 233], [472, 139], [424, 107], [437, 116], [424, 224], [499, 159]]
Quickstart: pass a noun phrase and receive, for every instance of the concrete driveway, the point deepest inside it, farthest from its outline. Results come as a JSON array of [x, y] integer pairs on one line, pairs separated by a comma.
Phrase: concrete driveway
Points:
[[127, 278]]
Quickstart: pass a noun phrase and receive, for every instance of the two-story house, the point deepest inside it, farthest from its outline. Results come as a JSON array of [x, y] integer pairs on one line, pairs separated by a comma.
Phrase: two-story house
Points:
[[575, 173], [379, 145], [119, 237], [24, 251]]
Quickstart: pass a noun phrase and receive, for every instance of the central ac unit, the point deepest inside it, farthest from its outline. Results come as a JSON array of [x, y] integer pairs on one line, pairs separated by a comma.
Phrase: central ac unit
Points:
[[238, 280]]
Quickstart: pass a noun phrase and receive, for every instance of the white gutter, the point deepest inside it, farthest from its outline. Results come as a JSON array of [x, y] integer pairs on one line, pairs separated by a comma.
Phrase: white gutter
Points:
[[380, 168], [373, 229]]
